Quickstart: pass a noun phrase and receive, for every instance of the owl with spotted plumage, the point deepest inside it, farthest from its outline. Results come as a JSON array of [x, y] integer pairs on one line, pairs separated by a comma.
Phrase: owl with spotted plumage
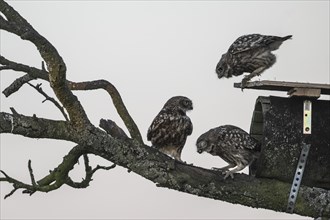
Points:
[[249, 54], [169, 130], [232, 144]]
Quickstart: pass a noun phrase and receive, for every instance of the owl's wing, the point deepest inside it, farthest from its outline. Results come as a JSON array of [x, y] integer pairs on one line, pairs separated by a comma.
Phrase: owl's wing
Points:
[[168, 128], [189, 126], [160, 122], [241, 136], [251, 42]]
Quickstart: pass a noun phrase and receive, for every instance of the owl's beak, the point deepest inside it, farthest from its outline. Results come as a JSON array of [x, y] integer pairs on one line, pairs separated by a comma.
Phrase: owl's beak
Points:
[[220, 76]]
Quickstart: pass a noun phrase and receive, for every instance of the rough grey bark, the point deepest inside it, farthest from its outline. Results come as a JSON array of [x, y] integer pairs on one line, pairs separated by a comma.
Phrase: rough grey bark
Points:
[[166, 172], [115, 146]]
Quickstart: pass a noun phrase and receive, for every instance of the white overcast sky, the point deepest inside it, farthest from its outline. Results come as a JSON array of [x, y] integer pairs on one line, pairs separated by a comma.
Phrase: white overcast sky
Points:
[[150, 51]]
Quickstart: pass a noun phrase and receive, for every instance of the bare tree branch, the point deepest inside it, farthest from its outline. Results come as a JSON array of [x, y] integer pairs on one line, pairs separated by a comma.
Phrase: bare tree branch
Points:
[[141, 159], [39, 89], [56, 178], [32, 73], [33, 181], [117, 101], [28, 188], [165, 172], [112, 128], [16, 24], [34, 127], [89, 174], [93, 85]]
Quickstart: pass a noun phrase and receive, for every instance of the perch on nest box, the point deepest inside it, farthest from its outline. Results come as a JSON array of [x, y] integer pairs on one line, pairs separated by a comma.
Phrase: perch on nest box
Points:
[[284, 125]]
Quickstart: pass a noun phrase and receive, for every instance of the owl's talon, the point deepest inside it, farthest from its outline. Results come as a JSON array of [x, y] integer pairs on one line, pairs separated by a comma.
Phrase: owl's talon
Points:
[[222, 170], [229, 173], [244, 83]]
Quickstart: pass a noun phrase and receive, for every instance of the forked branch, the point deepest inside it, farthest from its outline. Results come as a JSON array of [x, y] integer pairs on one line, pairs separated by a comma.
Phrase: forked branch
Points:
[[34, 73], [141, 159], [16, 24], [89, 172], [57, 177], [48, 98]]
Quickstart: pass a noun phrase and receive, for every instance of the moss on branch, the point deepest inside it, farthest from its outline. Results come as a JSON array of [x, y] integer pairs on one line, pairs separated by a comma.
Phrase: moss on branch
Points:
[[129, 153]]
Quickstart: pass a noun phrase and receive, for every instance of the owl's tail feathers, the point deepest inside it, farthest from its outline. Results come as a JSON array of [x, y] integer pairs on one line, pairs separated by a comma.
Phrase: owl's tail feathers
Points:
[[286, 37], [278, 42]]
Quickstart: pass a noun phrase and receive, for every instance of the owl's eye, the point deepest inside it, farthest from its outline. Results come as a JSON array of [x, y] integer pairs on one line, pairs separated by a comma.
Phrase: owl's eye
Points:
[[186, 103], [220, 69], [203, 144]]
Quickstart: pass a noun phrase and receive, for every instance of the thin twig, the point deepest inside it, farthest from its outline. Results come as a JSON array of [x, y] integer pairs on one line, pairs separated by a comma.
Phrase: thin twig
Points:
[[86, 162], [33, 181], [98, 167], [33, 73], [39, 89], [52, 181], [13, 111], [5, 174], [89, 174], [11, 193]]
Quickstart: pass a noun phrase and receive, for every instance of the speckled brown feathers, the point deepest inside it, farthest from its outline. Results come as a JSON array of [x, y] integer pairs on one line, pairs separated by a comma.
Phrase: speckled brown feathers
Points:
[[232, 144], [169, 130], [250, 54]]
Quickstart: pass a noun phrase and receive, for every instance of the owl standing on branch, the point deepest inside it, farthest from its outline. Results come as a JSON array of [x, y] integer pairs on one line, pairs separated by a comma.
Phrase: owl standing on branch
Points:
[[232, 144], [169, 130], [251, 54]]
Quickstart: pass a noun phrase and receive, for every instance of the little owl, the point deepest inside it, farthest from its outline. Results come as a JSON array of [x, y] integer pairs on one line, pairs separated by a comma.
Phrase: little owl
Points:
[[249, 54], [232, 144], [169, 130]]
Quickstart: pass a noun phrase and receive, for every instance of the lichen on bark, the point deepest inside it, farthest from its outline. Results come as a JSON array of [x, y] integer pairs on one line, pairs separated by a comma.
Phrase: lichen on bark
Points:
[[119, 148]]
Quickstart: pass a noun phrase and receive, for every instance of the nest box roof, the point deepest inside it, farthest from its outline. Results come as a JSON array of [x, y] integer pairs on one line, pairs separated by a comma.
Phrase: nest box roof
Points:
[[292, 88]]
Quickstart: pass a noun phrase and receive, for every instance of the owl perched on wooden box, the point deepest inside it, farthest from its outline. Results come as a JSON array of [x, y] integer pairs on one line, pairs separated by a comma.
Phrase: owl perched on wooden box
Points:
[[232, 144], [251, 54], [169, 130]]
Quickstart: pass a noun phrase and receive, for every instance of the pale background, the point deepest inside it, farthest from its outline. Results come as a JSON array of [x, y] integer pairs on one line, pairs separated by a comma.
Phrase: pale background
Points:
[[150, 51]]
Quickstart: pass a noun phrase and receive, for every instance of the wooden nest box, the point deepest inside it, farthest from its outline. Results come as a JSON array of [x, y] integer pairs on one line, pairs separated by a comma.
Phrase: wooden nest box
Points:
[[278, 122]]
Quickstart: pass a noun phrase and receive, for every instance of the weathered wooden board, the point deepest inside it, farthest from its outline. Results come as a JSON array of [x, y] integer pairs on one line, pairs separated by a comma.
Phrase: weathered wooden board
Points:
[[287, 86]]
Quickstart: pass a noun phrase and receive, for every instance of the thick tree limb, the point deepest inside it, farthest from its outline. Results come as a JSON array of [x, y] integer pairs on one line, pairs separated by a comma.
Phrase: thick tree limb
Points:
[[34, 73], [165, 172], [34, 127], [244, 189], [141, 159]]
